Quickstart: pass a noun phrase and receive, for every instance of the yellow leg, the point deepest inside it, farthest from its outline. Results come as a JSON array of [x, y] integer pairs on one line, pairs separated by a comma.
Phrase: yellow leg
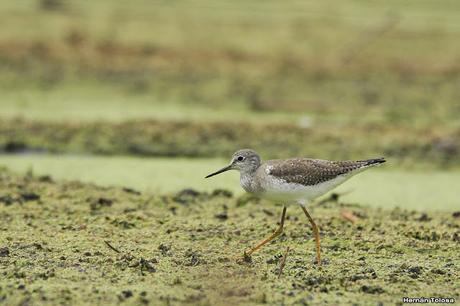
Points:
[[272, 236], [316, 233]]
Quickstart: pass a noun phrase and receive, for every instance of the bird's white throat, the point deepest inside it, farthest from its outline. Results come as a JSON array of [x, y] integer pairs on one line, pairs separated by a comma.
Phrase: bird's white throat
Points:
[[246, 180]]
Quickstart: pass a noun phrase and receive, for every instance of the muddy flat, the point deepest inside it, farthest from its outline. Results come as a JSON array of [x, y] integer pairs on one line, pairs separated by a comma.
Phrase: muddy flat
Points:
[[72, 242]]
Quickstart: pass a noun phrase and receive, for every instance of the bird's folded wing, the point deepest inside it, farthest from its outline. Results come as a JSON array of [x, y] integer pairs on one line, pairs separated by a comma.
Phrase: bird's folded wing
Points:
[[310, 172]]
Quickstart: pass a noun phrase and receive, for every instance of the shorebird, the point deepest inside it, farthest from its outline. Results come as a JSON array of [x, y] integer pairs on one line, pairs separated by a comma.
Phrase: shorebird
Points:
[[292, 181]]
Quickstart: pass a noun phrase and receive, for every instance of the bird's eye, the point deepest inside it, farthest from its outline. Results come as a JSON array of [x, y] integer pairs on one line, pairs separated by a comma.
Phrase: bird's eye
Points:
[[240, 158]]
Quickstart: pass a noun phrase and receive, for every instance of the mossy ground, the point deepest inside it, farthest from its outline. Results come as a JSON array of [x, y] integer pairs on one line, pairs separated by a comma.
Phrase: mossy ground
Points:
[[183, 248]]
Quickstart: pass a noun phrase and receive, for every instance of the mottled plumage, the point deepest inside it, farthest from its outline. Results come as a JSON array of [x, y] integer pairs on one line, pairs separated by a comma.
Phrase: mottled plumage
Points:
[[308, 172]]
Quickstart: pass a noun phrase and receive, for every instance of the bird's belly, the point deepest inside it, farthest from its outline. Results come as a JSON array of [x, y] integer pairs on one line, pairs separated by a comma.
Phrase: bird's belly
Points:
[[289, 192], [282, 197]]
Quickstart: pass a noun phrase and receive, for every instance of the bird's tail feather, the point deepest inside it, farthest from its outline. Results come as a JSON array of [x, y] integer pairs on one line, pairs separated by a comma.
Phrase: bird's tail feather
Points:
[[373, 161]]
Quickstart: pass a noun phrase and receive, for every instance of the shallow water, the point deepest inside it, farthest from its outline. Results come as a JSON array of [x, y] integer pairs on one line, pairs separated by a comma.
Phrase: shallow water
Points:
[[382, 187]]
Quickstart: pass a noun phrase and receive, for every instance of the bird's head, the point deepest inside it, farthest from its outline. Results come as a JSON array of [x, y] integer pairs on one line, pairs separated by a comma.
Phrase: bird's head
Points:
[[245, 161]]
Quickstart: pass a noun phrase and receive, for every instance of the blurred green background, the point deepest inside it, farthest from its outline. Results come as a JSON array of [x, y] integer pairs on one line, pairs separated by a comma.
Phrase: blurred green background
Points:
[[156, 94]]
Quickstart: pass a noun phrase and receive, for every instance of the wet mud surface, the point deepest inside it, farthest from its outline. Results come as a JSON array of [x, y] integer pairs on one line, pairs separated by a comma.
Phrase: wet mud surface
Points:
[[69, 242]]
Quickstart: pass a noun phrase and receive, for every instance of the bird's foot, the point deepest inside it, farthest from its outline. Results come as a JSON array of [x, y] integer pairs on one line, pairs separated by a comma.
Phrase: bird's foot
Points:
[[246, 258]]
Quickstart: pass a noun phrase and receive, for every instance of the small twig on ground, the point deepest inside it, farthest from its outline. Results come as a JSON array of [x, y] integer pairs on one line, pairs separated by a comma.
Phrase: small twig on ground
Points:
[[283, 261], [350, 216], [112, 247]]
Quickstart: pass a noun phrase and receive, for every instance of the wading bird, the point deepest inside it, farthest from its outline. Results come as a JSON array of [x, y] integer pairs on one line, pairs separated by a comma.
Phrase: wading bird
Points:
[[292, 181]]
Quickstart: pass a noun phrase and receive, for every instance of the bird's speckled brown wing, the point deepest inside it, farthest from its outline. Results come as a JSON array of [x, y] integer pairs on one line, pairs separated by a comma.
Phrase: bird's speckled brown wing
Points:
[[310, 172]]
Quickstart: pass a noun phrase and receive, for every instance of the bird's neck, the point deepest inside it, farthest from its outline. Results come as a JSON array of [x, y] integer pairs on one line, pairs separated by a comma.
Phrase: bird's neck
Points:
[[247, 180]]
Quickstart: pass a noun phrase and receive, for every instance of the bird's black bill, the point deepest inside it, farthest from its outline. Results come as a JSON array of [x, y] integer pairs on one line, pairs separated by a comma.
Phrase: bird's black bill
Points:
[[219, 171]]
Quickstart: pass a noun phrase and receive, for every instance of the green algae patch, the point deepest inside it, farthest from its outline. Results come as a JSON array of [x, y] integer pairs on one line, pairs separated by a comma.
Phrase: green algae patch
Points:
[[75, 243]]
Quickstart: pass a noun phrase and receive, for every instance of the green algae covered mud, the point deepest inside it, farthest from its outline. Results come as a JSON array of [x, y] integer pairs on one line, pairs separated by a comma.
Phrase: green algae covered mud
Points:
[[75, 243]]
